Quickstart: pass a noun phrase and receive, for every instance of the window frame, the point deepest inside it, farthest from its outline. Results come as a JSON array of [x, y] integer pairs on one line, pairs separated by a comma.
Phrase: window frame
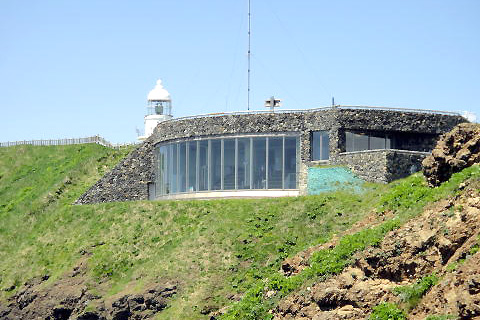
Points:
[[234, 140]]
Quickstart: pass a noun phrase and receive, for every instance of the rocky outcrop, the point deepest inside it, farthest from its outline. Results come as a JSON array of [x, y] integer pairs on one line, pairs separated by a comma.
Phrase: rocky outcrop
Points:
[[69, 298], [456, 150], [140, 306], [444, 240]]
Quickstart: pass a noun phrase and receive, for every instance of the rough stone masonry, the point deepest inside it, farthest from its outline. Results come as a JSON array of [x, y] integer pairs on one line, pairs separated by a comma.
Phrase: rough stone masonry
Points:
[[130, 179]]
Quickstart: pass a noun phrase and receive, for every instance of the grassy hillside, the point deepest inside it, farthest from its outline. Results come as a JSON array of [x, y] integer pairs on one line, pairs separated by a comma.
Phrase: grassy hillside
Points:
[[219, 251], [37, 187]]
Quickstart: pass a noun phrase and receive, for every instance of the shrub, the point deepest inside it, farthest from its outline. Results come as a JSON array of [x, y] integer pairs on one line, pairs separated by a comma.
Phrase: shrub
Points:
[[411, 294], [387, 311], [442, 317]]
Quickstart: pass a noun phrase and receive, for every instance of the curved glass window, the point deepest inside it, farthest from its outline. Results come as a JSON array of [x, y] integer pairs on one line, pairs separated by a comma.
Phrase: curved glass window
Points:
[[230, 163]]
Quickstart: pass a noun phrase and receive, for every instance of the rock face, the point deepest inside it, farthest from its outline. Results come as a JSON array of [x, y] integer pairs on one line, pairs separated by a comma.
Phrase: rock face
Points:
[[69, 298], [456, 150], [445, 235], [140, 306]]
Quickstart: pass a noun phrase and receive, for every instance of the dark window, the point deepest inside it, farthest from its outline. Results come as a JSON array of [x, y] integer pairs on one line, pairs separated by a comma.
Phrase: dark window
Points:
[[320, 145], [182, 167], [216, 167], [228, 164], [203, 165], [366, 141], [243, 166], [290, 175], [259, 177], [275, 163]]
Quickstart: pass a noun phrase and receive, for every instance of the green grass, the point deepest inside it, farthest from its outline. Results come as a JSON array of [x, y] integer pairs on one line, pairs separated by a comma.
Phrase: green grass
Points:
[[442, 317], [409, 196], [215, 249], [323, 263], [387, 311], [411, 295], [37, 187], [405, 198]]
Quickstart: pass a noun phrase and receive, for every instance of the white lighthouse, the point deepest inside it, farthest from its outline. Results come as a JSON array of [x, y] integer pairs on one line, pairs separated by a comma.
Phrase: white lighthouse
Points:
[[159, 109]]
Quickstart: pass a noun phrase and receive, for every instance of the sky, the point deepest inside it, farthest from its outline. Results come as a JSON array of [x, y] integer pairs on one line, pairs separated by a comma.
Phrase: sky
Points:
[[78, 68]]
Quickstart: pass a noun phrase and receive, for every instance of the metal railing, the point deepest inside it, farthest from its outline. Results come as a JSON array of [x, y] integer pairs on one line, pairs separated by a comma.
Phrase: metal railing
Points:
[[449, 113], [233, 113], [61, 142], [346, 153]]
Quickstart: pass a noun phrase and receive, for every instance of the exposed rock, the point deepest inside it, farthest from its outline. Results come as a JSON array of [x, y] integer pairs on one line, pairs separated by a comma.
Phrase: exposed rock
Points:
[[68, 298], [456, 150], [457, 293], [443, 235], [141, 306]]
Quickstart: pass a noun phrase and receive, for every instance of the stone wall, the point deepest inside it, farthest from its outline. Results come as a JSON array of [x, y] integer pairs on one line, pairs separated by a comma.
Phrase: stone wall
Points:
[[301, 122], [368, 165], [129, 179], [382, 165], [384, 120], [406, 124], [403, 163]]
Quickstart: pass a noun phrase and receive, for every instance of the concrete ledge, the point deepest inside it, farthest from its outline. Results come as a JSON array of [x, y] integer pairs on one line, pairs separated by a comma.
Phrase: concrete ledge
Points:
[[232, 194], [386, 150]]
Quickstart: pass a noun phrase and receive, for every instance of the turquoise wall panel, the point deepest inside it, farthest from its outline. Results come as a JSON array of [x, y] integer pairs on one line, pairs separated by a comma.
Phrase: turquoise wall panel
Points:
[[326, 179]]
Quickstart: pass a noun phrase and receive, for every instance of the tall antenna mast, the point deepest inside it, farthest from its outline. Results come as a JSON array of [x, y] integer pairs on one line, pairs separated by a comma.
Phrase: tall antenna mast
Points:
[[248, 57]]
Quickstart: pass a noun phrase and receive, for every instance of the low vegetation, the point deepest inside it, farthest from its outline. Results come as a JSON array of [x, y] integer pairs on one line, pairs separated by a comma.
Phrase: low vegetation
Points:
[[442, 317], [387, 311], [220, 252], [410, 295]]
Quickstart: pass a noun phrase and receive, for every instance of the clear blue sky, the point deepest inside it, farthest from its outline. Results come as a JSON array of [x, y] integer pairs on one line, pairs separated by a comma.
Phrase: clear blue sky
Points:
[[83, 67]]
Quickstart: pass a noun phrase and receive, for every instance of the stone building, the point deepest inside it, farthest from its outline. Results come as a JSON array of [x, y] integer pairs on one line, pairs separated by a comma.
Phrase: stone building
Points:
[[284, 153]]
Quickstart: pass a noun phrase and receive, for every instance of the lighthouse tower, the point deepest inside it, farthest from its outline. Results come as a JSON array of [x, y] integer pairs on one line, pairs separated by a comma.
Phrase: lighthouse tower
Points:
[[159, 109]]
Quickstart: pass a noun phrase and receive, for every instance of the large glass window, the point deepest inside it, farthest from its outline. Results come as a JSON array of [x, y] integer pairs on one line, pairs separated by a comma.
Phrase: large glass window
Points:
[[203, 165], [376, 142], [291, 155], [366, 141], [216, 164], [182, 167], [192, 166], [161, 174], [320, 145], [234, 163], [228, 164], [275, 163], [173, 166], [243, 163], [168, 171], [259, 174]]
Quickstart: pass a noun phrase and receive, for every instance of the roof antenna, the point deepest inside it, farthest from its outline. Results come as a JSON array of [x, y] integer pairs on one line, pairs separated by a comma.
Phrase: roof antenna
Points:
[[248, 57]]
